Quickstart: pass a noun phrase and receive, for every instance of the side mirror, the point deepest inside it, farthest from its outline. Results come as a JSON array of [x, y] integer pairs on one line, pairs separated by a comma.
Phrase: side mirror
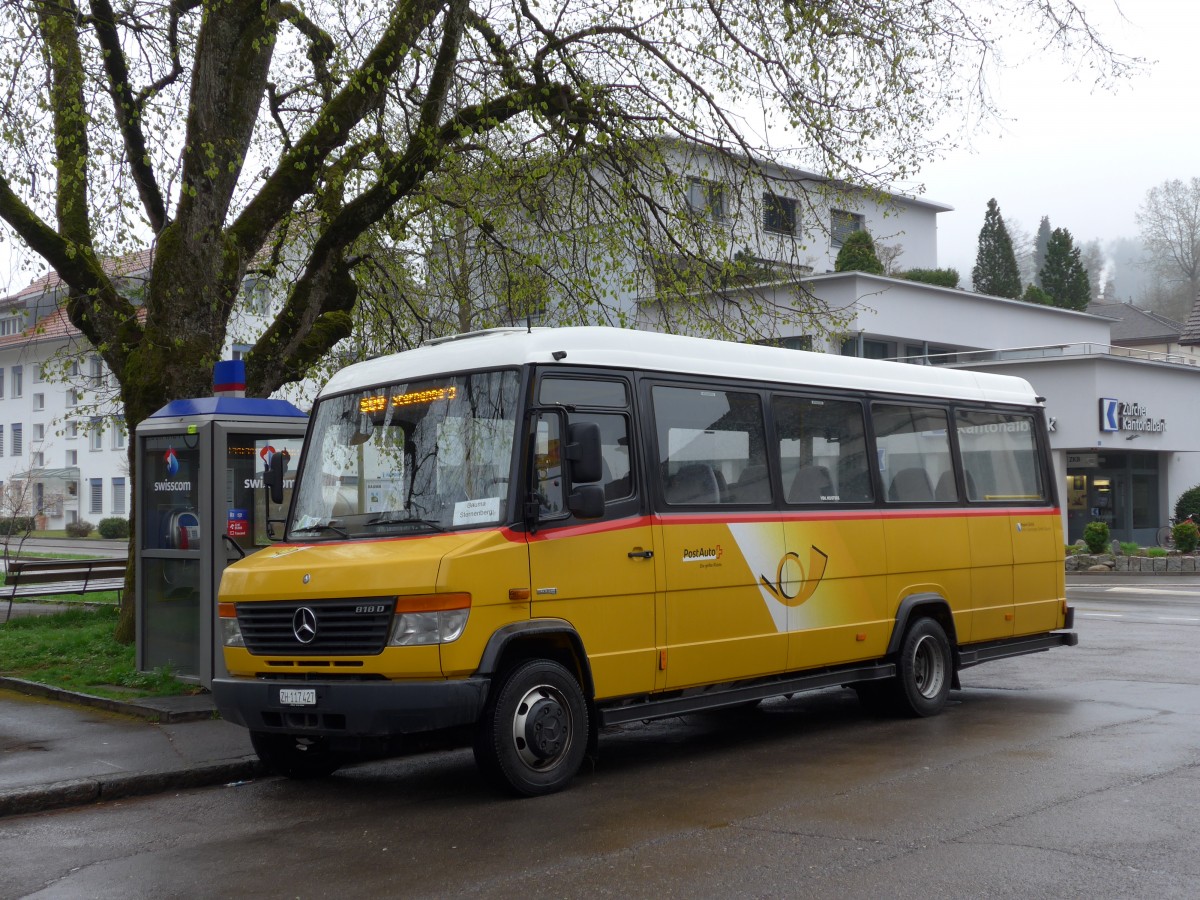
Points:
[[273, 477], [583, 451], [586, 501]]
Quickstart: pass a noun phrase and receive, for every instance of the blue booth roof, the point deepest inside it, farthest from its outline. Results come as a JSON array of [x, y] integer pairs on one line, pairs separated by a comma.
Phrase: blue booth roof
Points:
[[229, 406]]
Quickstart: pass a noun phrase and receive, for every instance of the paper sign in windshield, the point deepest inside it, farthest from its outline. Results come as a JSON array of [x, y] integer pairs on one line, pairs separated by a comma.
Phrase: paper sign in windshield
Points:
[[477, 512]]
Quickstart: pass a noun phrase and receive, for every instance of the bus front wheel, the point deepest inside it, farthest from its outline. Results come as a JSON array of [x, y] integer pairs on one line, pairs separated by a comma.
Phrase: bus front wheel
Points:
[[534, 731], [295, 757], [924, 670]]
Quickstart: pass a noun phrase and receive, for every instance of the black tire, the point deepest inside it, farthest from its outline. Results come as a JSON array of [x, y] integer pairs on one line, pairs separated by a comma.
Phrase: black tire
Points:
[[533, 734], [294, 756], [924, 670]]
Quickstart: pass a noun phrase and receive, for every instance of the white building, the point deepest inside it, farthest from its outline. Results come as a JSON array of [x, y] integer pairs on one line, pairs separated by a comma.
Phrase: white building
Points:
[[63, 439], [1118, 381]]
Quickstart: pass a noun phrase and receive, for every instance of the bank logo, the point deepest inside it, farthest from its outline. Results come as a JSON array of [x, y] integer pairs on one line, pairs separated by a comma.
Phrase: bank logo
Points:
[[1110, 414], [172, 462]]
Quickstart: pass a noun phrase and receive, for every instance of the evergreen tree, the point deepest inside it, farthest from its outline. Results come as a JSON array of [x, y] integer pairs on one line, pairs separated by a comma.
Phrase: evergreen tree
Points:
[[1034, 294], [858, 255], [996, 270], [1063, 275], [1039, 249]]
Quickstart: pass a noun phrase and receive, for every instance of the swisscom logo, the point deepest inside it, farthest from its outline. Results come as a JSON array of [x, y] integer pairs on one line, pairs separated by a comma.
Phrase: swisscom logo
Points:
[[172, 462]]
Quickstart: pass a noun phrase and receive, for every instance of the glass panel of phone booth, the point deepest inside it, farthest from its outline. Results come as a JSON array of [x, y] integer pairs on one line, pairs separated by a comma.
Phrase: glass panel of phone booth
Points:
[[247, 505], [172, 533]]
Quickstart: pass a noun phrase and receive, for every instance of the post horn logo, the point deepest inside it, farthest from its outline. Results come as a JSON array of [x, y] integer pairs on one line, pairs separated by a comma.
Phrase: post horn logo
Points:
[[805, 586]]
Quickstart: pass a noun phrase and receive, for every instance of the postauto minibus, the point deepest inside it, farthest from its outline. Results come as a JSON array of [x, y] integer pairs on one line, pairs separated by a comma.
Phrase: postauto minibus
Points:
[[526, 535]]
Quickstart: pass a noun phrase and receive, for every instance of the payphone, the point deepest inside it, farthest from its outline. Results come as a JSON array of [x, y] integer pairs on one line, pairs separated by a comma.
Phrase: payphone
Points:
[[201, 505]]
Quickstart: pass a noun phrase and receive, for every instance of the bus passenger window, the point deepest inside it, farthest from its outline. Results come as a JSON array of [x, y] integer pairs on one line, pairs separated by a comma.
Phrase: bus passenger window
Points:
[[999, 454], [822, 450], [914, 451], [711, 446]]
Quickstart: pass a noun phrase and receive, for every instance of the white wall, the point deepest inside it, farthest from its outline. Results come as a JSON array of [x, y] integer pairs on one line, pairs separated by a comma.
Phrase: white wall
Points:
[[920, 312]]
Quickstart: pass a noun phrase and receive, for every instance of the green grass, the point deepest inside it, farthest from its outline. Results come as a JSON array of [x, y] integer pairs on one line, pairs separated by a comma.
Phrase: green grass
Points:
[[75, 650]]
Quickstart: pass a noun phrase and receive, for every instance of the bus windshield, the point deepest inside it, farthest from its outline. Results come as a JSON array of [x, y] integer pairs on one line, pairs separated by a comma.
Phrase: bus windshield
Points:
[[413, 456]]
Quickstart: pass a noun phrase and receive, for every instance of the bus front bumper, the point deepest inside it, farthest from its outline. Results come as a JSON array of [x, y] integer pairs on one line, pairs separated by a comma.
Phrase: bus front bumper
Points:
[[349, 708]]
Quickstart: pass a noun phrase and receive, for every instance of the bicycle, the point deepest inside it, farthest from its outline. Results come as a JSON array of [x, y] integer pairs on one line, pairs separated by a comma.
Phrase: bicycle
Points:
[[1165, 536]]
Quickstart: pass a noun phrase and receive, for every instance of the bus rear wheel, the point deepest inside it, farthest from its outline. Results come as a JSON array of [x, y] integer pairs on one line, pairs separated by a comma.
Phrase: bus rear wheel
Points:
[[293, 756], [924, 670], [534, 731]]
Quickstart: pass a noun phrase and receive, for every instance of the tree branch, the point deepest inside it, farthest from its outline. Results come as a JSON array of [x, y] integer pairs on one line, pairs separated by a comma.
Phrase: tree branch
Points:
[[129, 112]]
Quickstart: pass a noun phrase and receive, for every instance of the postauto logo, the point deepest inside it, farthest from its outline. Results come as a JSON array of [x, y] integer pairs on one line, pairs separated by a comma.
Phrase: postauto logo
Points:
[[172, 462]]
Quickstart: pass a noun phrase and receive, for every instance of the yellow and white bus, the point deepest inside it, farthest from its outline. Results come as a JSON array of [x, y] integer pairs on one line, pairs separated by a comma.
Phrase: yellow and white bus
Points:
[[531, 534]]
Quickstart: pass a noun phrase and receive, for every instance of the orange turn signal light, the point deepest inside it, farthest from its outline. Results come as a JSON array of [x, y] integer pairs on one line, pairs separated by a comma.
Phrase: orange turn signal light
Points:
[[432, 603]]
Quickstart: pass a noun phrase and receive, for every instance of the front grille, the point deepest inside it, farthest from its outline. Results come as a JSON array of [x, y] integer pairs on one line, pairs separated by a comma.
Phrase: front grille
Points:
[[356, 627]]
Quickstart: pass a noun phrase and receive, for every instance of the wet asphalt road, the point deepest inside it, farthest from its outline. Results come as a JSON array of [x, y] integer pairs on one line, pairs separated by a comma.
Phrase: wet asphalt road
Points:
[[1074, 773]]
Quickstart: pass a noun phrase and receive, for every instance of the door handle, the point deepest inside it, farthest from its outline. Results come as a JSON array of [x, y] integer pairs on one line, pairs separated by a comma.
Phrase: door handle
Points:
[[641, 554]]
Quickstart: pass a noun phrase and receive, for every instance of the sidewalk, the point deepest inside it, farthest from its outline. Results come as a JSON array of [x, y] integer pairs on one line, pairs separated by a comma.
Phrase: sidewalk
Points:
[[59, 749]]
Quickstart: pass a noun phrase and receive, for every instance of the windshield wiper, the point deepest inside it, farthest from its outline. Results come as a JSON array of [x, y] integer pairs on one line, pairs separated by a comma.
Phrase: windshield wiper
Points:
[[407, 520], [324, 526]]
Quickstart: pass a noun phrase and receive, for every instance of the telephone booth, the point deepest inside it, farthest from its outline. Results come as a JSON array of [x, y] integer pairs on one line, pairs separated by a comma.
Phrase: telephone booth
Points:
[[201, 506]]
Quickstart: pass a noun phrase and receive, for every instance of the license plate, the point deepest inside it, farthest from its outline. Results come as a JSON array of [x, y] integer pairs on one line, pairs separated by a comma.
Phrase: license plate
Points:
[[298, 696]]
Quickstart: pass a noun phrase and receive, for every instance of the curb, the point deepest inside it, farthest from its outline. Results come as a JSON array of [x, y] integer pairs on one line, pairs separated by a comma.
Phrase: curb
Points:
[[40, 798], [163, 710]]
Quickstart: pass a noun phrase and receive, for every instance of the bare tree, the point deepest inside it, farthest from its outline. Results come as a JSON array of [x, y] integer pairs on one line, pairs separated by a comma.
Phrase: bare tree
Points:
[[1169, 219]]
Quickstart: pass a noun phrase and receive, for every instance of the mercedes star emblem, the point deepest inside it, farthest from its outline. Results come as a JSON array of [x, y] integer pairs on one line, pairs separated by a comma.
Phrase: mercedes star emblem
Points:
[[304, 625]]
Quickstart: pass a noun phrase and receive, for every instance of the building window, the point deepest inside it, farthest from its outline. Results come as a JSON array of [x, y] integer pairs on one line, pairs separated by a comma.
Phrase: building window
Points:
[[39, 432], [96, 373], [39, 372], [842, 224], [10, 325], [39, 401], [706, 198], [239, 351], [17, 447], [72, 398], [118, 496], [72, 457], [18, 380], [1, 384], [779, 214], [96, 434], [1, 440], [792, 342], [37, 460], [868, 349], [118, 434], [72, 430], [96, 492]]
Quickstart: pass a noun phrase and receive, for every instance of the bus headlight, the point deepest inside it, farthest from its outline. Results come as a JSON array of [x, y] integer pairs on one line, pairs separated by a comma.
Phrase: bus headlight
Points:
[[231, 631], [436, 619]]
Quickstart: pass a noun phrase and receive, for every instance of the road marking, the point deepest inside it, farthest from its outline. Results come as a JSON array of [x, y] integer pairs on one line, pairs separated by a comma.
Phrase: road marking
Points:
[[1127, 590], [1178, 619], [1096, 615]]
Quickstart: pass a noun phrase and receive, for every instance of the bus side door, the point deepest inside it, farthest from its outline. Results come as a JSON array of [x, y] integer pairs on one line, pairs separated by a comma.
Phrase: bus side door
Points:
[[719, 532], [598, 574]]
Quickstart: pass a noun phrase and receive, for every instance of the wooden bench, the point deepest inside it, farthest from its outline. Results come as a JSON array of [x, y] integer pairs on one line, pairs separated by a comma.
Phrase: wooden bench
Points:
[[54, 577]]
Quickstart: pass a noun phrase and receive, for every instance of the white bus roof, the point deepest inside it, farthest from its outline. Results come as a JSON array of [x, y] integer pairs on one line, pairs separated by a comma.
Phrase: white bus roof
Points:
[[650, 351]]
